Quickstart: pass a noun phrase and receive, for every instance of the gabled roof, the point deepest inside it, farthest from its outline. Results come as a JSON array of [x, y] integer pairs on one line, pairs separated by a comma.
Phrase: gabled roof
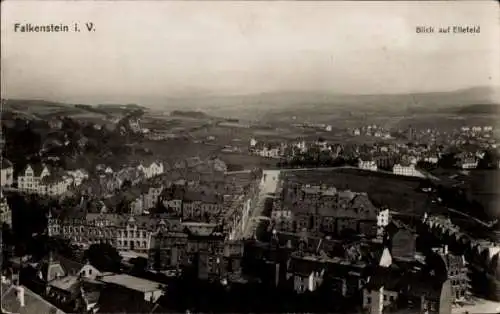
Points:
[[70, 266], [67, 283], [50, 269], [33, 303], [37, 169]]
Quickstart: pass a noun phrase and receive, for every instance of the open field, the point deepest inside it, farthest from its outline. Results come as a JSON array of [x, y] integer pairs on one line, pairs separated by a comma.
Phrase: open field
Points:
[[177, 149], [483, 187], [242, 161]]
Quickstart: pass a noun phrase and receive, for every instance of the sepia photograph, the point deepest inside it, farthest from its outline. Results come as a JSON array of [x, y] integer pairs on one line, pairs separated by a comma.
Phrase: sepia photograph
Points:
[[250, 157]]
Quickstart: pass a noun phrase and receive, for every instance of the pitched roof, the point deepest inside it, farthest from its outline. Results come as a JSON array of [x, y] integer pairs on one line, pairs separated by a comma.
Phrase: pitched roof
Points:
[[116, 299], [6, 164], [70, 266], [37, 168], [67, 283], [132, 283], [33, 303]]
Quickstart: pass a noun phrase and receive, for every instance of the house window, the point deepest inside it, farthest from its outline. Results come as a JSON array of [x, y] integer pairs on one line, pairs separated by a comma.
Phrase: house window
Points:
[[90, 271], [369, 300], [433, 306], [385, 297]]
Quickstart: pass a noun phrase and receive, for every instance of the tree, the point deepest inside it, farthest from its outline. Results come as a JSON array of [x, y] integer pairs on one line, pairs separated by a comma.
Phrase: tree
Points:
[[447, 161], [104, 257], [139, 265], [489, 161]]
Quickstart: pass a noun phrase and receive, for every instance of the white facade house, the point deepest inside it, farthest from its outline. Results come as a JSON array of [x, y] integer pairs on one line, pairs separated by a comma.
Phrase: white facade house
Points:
[[5, 212], [7, 173], [269, 152], [78, 176], [368, 165], [151, 170], [383, 219], [133, 237], [406, 170], [253, 142], [38, 179], [90, 272], [469, 163], [432, 160], [29, 180]]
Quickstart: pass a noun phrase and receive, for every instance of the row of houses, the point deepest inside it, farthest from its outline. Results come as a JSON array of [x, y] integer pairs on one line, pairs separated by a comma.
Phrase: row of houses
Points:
[[389, 275], [45, 180], [323, 210], [168, 242]]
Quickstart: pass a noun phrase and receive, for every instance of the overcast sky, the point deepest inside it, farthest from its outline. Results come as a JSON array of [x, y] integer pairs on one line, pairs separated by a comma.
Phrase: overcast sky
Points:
[[169, 49]]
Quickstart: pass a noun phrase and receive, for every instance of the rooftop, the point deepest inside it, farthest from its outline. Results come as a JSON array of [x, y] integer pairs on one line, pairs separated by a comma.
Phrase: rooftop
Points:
[[5, 164], [33, 303], [64, 283], [133, 283]]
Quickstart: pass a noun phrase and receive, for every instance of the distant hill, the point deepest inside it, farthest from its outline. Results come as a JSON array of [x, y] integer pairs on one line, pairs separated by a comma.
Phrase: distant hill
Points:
[[189, 114], [320, 103], [479, 109], [130, 107], [41, 109]]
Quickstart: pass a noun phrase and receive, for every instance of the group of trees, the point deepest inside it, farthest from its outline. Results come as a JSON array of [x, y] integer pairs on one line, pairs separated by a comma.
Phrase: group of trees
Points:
[[321, 159], [104, 257]]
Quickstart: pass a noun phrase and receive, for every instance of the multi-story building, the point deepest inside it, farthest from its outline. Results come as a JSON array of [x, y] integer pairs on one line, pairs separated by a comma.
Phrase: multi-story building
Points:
[[201, 245], [124, 233], [5, 212], [78, 176], [202, 206], [323, 210], [455, 269], [468, 163], [7, 172], [135, 234], [150, 198], [29, 179], [150, 170], [38, 179], [368, 165], [309, 272], [406, 170], [392, 289], [168, 246]]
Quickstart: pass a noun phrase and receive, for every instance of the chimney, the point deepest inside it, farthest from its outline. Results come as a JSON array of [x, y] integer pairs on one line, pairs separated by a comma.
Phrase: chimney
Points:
[[20, 295], [445, 250]]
